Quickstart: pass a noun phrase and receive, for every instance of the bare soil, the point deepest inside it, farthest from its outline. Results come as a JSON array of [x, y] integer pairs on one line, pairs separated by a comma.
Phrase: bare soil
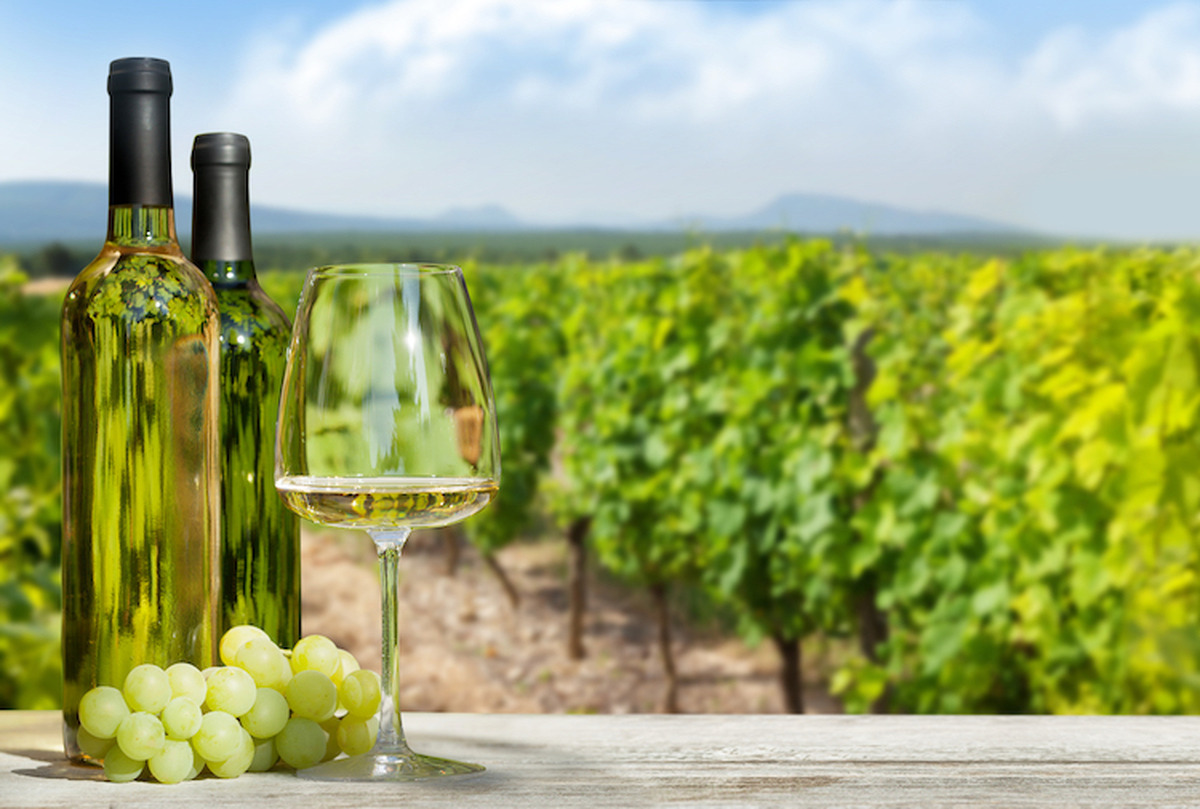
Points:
[[463, 647], [46, 286]]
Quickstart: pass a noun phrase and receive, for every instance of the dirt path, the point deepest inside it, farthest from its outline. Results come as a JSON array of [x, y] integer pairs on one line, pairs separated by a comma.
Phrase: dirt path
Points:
[[464, 648]]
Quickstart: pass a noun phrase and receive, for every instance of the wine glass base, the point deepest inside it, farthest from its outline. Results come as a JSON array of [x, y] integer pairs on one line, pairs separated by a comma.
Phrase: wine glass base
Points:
[[380, 766]]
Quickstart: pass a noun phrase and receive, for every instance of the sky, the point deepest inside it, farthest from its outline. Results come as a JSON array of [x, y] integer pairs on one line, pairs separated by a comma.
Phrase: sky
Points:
[[1070, 117]]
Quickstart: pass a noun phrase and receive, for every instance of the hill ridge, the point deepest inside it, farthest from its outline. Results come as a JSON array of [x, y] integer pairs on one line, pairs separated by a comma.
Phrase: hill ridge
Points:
[[62, 210]]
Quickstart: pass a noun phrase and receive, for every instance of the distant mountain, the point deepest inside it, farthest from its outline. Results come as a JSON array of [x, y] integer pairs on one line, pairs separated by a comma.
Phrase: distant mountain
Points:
[[49, 211], [34, 212], [484, 217], [816, 213], [38, 212]]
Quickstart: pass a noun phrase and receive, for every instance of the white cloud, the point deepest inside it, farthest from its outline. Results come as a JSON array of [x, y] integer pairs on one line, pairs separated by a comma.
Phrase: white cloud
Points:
[[553, 107], [1150, 68], [641, 56]]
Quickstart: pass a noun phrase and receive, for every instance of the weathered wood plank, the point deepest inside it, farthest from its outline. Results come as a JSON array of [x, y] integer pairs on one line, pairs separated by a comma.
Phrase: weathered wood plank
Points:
[[603, 761]]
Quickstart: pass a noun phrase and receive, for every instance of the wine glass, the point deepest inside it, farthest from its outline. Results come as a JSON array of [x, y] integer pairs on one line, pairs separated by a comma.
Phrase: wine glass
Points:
[[386, 423]]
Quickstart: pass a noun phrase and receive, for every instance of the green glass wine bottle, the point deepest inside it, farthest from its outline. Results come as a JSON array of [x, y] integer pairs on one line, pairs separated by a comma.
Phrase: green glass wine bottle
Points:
[[260, 537], [141, 471]]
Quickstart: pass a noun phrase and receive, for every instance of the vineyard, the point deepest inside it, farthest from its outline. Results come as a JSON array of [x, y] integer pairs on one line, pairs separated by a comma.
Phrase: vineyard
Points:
[[979, 476]]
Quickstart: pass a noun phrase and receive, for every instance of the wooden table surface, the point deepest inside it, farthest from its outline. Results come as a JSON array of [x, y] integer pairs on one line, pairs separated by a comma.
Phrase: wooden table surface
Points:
[[644, 760]]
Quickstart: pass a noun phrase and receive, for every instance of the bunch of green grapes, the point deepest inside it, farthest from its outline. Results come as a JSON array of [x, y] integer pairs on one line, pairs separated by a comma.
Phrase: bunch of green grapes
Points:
[[263, 706]]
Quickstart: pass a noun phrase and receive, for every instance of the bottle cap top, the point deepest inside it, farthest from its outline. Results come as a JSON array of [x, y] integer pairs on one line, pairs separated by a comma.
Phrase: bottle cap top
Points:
[[139, 74], [221, 149]]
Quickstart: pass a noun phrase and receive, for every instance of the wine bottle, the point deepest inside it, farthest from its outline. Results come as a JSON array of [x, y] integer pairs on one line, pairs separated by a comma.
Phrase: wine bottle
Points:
[[260, 537], [140, 418]]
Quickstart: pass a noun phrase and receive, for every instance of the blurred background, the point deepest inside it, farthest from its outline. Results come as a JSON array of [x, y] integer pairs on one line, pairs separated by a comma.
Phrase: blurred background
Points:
[[844, 350]]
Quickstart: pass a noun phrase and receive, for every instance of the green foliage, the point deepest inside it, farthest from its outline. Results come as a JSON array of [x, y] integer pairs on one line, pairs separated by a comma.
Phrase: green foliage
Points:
[[519, 314], [1018, 493], [703, 422], [298, 252], [778, 517], [1021, 505], [1036, 515], [30, 496], [283, 288], [634, 428]]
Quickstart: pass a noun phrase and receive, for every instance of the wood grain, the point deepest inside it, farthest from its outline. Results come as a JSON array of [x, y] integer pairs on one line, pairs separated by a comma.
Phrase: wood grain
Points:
[[654, 760]]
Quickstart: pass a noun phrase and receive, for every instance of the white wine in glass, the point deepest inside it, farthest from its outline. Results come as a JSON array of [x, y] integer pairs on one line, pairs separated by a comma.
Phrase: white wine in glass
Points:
[[385, 502], [387, 423]]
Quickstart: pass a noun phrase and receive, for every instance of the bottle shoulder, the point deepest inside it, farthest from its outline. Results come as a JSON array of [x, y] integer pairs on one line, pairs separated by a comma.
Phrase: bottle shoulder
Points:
[[141, 285], [247, 311]]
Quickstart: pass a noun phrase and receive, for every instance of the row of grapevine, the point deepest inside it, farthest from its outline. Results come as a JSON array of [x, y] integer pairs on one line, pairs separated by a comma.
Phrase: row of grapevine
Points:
[[702, 405], [1038, 493], [523, 351]]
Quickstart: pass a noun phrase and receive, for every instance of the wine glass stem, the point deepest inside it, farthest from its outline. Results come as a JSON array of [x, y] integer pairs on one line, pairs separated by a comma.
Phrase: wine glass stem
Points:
[[391, 731]]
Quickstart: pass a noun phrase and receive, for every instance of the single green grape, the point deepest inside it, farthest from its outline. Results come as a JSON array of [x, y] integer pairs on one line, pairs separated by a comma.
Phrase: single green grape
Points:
[[283, 674], [265, 755], [361, 693], [260, 658], [120, 768], [147, 688], [316, 653], [181, 718], [332, 749], [230, 690], [301, 743], [218, 736], [348, 663], [141, 736], [197, 767], [102, 710], [233, 639], [357, 736], [268, 715], [312, 695], [239, 762], [187, 681], [173, 763], [89, 745]]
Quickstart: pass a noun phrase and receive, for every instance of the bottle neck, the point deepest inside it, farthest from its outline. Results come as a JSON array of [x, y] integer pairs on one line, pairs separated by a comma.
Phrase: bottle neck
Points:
[[221, 221], [139, 165], [227, 274], [142, 226]]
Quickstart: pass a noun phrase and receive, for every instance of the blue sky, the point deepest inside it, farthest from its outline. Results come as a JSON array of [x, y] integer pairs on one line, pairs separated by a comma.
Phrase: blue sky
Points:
[[1078, 118]]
